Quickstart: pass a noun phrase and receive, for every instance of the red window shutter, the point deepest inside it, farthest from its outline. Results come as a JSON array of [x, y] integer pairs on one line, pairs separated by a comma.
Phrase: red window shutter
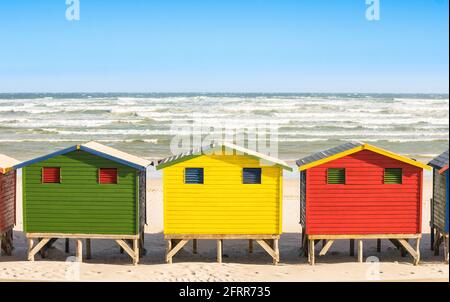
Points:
[[51, 175], [108, 176]]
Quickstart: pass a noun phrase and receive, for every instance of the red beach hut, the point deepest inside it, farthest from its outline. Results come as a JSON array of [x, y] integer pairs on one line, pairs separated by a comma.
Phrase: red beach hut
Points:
[[357, 191], [7, 202]]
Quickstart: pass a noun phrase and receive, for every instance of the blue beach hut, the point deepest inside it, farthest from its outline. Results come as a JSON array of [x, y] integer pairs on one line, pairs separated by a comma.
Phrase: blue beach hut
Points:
[[439, 204]]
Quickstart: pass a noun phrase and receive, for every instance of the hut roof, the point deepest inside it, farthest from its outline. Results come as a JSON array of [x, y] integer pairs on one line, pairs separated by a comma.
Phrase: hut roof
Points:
[[169, 161], [440, 162], [7, 163], [348, 148], [99, 150]]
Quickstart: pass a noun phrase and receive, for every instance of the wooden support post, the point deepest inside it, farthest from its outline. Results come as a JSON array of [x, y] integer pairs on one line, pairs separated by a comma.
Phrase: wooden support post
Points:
[[136, 251], [446, 249], [352, 247], [360, 251], [437, 243], [269, 249], [6, 244], [79, 253], [403, 251], [415, 253], [303, 240], [88, 249], [312, 259], [250, 246], [30, 248], [305, 247], [308, 250], [432, 238], [276, 260], [417, 259], [67, 247], [326, 247], [130, 251], [37, 248], [194, 246], [378, 245], [219, 251], [168, 249], [172, 251]]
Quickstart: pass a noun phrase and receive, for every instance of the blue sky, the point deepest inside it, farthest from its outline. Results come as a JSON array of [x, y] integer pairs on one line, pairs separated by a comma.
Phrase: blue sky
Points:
[[224, 46]]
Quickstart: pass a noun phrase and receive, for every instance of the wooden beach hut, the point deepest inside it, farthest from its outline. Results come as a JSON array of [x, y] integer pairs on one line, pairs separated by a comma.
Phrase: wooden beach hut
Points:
[[357, 191], [88, 191], [7, 202], [220, 192], [439, 204]]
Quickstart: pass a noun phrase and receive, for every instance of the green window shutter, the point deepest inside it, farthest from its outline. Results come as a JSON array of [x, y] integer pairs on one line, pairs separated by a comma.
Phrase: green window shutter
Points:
[[336, 176], [393, 176]]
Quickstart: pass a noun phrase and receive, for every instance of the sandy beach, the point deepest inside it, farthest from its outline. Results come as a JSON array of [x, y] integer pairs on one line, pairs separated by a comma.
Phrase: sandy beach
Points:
[[107, 264]]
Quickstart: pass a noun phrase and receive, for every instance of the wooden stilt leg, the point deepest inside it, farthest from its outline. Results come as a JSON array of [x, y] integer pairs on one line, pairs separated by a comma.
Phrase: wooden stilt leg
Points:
[[30, 248], [379, 245], [403, 250], [67, 247], [446, 249], [136, 251], [250, 246], [312, 260], [432, 239], [437, 243], [194, 246], [168, 249], [303, 240], [88, 249], [276, 260], [417, 259], [360, 251], [79, 253], [305, 246], [219, 251], [352, 247], [308, 249], [142, 250]]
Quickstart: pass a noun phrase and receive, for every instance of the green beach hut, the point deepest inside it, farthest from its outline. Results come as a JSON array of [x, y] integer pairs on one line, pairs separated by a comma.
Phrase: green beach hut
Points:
[[88, 191]]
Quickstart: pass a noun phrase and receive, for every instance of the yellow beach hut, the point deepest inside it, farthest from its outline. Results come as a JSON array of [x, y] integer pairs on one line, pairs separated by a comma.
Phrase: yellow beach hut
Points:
[[222, 191]]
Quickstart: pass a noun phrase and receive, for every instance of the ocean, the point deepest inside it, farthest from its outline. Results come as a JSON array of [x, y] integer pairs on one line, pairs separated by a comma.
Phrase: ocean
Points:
[[35, 124]]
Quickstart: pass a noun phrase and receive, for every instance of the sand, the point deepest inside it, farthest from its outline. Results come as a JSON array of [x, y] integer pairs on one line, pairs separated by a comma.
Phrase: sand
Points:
[[108, 264]]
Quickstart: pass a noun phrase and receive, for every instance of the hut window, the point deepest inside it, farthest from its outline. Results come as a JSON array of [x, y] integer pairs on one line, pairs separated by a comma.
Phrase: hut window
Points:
[[251, 176], [193, 176], [393, 176], [51, 175], [107, 176], [336, 176]]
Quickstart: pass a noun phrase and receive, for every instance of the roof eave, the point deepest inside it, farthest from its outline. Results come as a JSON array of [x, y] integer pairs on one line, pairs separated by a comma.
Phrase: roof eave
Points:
[[45, 157], [113, 158], [210, 148], [360, 148], [83, 148]]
